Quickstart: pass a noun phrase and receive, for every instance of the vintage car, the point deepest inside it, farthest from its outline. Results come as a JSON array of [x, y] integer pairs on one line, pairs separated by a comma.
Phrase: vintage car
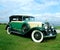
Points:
[[27, 25]]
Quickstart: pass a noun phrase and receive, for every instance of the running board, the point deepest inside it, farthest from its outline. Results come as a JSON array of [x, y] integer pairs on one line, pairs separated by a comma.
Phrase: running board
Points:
[[17, 32]]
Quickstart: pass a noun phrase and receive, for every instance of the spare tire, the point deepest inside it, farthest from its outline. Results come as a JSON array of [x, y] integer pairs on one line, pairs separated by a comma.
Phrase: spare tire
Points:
[[25, 27]]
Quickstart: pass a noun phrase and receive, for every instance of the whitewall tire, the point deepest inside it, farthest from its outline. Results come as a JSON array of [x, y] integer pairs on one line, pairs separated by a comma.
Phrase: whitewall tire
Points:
[[37, 36], [8, 30]]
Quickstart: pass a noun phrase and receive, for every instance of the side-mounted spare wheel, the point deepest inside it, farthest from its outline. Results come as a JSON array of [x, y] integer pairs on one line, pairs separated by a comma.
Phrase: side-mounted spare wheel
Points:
[[25, 27], [8, 30], [37, 36]]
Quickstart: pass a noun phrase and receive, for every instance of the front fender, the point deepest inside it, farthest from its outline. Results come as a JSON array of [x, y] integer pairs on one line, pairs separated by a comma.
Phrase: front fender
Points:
[[38, 28], [35, 28]]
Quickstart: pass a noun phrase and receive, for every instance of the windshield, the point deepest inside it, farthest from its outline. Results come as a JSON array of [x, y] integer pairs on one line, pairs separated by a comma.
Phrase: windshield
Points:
[[28, 18]]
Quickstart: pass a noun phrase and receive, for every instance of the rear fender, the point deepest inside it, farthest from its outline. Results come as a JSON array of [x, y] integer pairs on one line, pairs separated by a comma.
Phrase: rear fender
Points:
[[6, 27]]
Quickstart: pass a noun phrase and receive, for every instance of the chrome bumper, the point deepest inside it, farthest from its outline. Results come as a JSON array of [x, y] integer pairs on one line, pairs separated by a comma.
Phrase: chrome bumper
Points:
[[50, 35]]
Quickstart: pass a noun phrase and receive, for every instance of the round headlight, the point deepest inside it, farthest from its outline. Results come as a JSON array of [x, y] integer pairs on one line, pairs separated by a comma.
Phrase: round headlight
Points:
[[52, 27], [45, 27]]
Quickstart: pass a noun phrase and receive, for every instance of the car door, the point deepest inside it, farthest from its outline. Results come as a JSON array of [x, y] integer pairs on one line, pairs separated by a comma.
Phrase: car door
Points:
[[16, 25]]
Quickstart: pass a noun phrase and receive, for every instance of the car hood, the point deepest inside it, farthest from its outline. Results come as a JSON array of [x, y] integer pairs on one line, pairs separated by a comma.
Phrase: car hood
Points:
[[35, 24]]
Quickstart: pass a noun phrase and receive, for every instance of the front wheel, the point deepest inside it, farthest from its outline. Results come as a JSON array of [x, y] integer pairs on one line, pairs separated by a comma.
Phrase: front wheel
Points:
[[8, 30], [37, 36]]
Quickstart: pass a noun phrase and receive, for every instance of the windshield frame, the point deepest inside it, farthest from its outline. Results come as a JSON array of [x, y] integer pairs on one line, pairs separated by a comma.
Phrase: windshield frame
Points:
[[28, 18]]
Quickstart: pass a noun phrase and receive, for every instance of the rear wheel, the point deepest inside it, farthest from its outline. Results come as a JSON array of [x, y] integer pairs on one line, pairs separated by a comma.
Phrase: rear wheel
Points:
[[8, 30], [37, 36]]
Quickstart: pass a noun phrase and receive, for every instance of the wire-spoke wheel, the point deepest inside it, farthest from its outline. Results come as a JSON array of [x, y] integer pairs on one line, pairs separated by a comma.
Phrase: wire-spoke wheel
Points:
[[37, 36]]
